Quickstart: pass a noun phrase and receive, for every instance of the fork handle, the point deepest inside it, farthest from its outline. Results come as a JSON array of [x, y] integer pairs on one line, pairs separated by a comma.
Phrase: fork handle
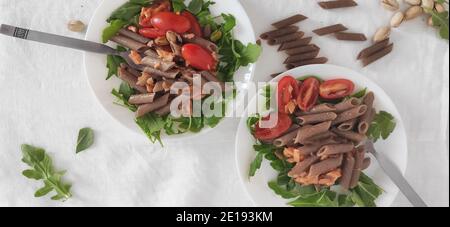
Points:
[[56, 40]]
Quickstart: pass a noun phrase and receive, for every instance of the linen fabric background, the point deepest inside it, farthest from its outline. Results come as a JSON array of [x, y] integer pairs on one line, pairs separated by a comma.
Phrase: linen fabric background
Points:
[[45, 100]]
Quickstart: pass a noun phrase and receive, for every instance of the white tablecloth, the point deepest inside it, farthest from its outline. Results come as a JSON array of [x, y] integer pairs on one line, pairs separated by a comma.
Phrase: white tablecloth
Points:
[[45, 99]]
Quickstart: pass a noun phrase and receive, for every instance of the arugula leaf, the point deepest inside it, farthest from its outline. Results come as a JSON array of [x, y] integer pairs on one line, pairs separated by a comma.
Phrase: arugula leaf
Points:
[[325, 198], [345, 200], [365, 194], [123, 100], [250, 54], [129, 10], [85, 139], [255, 165], [112, 29], [195, 6], [440, 21], [382, 126], [359, 94], [178, 5], [302, 191], [308, 76], [42, 169], [251, 122], [152, 125], [113, 62]]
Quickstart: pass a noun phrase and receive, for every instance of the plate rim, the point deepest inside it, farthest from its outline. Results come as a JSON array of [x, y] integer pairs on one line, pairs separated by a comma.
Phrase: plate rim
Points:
[[242, 121]]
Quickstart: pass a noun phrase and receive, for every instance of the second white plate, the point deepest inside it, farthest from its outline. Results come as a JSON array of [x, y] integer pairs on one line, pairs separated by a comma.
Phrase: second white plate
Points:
[[395, 147]]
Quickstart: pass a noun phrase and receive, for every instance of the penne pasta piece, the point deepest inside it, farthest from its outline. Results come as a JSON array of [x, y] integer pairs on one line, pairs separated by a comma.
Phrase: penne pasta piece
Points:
[[333, 149], [366, 119], [296, 43], [130, 80], [287, 138], [325, 166], [279, 32], [309, 149], [373, 49], [302, 57], [309, 131], [350, 114], [337, 4], [141, 98], [346, 105], [321, 60], [302, 49], [171, 74], [376, 56], [134, 36], [330, 29], [350, 135], [302, 166], [347, 125], [289, 21], [359, 160], [275, 74], [157, 63], [212, 47], [132, 71], [316, 118], [129, 43], [366, 163], [321, 108], [285, 38], [348, 36], [163, 110], [347, 171], [147, 108]]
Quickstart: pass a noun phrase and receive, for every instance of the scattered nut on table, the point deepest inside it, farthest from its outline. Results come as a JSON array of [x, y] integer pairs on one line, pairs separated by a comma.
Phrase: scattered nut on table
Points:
[[430, 21], [439, 8], [76, 26], [413, 12], [413, 2], [428, 4], [382, 34], [391, 5], [397, 19]]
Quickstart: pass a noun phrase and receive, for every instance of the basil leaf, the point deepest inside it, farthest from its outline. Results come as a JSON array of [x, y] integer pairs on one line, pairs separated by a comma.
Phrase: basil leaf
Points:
[[195, 6], [255, 165], [112, 29], [85, 139]]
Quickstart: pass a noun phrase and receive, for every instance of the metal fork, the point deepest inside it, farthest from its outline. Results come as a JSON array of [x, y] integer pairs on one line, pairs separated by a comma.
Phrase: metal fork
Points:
[[396, 176], [63, 41]]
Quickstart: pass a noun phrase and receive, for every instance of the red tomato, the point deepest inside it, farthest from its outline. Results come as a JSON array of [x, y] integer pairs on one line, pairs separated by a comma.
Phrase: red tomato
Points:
[[287, 91], [309, 93], [151, 33], [148, 12], [198, 57], [335, 89], [283, 124], [168, 21], [195, 26]]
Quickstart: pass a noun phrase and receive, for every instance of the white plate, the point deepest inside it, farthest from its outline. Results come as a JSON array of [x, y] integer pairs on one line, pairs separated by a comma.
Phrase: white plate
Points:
[[395, 147], [96, 71]]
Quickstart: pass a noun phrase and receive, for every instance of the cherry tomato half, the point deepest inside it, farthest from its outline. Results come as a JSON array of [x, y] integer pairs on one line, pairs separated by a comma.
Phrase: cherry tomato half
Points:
[[283, 124], [287, 92], [309, 93], [335, 89], [195, 26], [168, 21], [151, 33], [147, 13], [198, 57]]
